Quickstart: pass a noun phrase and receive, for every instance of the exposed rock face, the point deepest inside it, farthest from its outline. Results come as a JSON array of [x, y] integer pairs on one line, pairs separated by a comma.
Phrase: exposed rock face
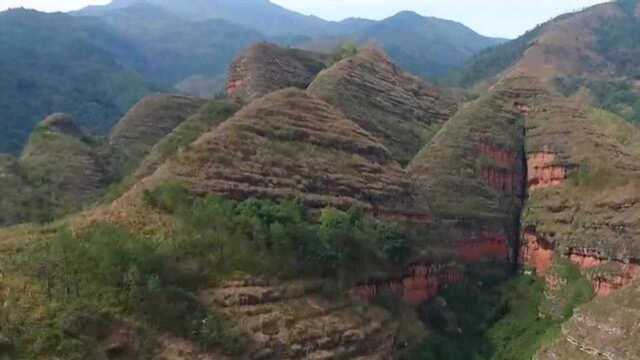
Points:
[[484, 246], [264, 68], [291, 321], [146, 123], [542, 171], [401, 110], [421, 282], [603, 329], [536, 252], [292, 145], [474, 166], [583, 180]]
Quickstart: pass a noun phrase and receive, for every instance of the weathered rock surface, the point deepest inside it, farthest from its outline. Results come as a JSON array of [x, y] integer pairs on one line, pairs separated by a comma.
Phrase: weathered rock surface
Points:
[[399, 109], [292, 321], [264, 68], [606, 328], [583, 182], [149, 121]]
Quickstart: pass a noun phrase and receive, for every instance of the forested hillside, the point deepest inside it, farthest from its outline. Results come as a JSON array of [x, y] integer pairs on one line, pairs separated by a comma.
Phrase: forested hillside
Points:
[[59, 63]]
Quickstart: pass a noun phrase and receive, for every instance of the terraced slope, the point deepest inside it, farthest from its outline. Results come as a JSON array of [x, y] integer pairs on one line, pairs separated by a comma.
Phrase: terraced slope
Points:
[[399, 109], [290, 144], [264, 68]]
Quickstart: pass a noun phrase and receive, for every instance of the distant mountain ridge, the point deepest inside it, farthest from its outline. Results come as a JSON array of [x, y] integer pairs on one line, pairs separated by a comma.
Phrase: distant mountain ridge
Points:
[[426, 46]]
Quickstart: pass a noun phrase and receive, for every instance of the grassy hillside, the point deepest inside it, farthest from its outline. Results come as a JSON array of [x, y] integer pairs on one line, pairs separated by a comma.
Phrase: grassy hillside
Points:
[[58, 63]]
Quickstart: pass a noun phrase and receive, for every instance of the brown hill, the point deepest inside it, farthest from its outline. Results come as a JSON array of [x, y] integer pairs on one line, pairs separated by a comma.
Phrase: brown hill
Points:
[[290, 144], [145, 124], [401, 110], [264, 68]]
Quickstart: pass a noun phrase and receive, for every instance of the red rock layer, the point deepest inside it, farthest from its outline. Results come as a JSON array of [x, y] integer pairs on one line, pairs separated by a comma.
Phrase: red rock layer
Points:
[[502, 174], [486, 246], [233, 86], [421, 283], [501, 180], [604, 285], [536, 253], [543, 172], [506, 158]]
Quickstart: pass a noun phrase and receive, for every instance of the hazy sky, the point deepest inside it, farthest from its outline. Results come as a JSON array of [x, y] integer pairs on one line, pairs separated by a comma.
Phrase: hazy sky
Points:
[[506, 18]]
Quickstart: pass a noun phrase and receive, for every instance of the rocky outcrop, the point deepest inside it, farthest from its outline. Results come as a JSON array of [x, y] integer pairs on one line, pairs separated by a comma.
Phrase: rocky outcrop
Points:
[[264, 68], [536, 252], [605, 329], [542, 171], [293, 321], [421, 282], [399, 109], [583, 180], [149, 121], [485, 246], [607, 275]]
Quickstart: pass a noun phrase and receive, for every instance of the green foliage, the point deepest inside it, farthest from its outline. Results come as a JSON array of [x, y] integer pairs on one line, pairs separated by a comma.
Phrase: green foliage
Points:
[[496, 320], [629, 6], [617, 97], [91, 280], [60, 63], [618, 40], [264, 237], [347, 50], [492, 61]]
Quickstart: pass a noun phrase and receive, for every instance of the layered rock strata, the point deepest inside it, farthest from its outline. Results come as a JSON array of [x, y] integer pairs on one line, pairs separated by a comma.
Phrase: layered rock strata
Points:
[[264, 68], [399, 109]]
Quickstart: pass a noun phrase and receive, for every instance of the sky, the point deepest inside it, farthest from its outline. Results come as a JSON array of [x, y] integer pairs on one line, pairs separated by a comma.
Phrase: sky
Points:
[[499, 18]]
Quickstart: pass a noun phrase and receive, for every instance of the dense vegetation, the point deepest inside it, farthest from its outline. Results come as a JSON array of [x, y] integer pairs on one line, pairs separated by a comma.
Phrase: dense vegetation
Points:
[[496, 318], [174, 50], [426, 46], [493, 60], [58, 63], [618, 97], [89, 283]]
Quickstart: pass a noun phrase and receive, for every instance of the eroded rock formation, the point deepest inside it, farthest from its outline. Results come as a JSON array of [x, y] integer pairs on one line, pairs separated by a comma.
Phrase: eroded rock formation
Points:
[[536, 252], [421, 282], [292, 321], [543, 172]]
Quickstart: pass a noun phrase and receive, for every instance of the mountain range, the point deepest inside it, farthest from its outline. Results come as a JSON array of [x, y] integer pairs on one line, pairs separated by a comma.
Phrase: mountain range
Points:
[[326, 205], [182, 47]]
